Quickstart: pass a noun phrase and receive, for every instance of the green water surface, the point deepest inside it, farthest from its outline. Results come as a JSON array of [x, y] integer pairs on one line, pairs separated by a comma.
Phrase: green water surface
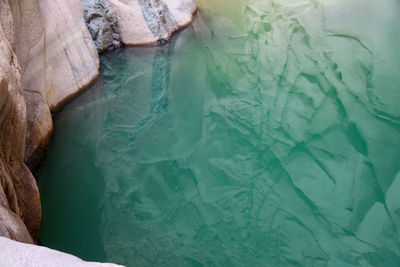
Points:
[[266, 134]]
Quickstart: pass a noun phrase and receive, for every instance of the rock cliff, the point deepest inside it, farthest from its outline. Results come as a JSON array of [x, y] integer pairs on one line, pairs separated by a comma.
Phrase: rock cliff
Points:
[[19, 197], [57, 58], [47, 56]]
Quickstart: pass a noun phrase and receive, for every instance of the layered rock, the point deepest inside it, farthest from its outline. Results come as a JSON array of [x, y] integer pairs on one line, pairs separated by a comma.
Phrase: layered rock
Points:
[[14, 253], [144, 22], [102, 24]]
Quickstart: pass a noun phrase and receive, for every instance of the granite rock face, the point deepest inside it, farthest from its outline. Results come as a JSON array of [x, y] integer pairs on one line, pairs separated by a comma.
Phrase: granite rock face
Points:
[[102, 24], [144, 22], [46, 57], [72, 62], [19, 197], [14, 253], [29, 47], [57, 57]]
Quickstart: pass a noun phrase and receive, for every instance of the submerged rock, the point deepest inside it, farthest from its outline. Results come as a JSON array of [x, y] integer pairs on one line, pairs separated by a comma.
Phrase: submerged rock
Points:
[[102, 24]]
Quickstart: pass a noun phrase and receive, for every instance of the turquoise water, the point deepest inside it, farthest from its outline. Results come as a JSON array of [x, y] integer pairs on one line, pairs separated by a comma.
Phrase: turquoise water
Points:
[[266, 134]]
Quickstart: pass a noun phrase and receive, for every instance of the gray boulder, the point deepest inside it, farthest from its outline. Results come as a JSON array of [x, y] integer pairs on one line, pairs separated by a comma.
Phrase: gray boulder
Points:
[[102, 24]]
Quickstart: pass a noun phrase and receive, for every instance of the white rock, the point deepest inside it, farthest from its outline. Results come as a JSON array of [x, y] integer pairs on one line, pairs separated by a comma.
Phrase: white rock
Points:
[[13, 253]]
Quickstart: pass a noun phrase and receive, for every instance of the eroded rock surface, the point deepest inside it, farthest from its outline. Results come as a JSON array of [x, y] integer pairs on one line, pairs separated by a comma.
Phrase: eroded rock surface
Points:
[[102, 24]]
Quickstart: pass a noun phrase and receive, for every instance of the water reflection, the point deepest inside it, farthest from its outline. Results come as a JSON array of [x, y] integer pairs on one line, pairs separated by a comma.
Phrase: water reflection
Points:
[[158, 107]]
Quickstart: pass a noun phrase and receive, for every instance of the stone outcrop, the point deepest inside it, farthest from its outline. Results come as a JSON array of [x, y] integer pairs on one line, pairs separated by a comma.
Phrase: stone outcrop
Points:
[[16, 254], [143, 22], [102, 24]]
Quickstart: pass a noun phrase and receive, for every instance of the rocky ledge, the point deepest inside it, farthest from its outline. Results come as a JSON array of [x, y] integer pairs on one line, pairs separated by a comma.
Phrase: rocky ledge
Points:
[[48, 55], [20, 254], [135, 22]]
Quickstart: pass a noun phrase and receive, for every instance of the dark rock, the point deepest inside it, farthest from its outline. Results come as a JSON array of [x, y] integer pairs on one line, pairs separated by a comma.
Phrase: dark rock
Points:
[[102, 24]]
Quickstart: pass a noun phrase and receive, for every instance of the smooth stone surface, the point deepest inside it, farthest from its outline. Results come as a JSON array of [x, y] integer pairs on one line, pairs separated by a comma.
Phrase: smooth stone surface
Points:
[[182, 11], [18, 254], [266, 134], [72, 61]]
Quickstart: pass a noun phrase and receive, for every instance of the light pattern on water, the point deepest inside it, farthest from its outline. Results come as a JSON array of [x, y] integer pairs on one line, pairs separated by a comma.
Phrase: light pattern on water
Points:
[[267, 134]]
